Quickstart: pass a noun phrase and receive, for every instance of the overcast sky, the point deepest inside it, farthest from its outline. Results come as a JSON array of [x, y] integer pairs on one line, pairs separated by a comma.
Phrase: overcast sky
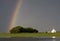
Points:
[[42, 15]]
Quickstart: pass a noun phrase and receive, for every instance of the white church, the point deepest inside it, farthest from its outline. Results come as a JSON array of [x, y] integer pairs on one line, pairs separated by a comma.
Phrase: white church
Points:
[[52, 31]]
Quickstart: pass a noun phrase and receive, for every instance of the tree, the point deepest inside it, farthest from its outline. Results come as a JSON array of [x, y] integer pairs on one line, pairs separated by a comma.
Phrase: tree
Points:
[[35, 31], [16, 29], [30, 30]]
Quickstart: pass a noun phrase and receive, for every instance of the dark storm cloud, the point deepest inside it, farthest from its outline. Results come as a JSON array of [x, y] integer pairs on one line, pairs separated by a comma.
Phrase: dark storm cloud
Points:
[[40, 14]]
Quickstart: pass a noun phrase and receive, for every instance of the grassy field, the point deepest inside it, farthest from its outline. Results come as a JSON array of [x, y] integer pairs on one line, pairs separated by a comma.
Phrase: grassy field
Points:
[[30, 35]]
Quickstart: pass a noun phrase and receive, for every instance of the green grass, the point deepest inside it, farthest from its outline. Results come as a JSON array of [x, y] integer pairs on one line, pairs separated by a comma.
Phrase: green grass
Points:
[[30, 35]]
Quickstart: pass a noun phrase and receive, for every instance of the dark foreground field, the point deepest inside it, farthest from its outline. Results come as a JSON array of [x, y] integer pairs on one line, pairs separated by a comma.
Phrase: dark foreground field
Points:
[[29, 39]]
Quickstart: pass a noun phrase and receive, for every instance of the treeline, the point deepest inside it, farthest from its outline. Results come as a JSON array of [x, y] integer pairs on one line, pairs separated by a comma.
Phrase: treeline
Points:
[[20, 29]]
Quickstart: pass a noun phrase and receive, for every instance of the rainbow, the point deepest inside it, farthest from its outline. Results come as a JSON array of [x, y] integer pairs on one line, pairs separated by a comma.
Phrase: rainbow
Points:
[[14, 15]]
